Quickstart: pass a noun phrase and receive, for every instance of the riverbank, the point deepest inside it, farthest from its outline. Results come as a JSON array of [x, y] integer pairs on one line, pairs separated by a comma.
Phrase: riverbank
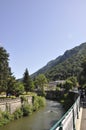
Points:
[[25, 109], [42, 119], [37, 101]]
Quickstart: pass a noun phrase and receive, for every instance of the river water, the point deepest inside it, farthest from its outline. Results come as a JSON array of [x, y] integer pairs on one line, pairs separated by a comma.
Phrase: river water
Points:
[[40, 120]]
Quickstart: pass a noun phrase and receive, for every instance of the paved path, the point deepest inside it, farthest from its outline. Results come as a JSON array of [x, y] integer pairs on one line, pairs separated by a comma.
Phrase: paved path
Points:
[[78, 121], [83, 119]]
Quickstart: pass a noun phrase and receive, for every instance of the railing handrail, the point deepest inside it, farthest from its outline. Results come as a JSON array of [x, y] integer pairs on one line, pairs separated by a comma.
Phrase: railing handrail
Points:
[[58, 123]]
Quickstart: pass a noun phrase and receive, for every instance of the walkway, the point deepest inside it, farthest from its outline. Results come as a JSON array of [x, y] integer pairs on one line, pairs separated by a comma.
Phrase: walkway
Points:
[[78, 121], [83, 120]]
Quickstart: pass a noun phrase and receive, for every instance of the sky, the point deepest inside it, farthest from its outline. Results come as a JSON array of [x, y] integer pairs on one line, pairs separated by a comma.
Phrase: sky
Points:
[[35, 32]]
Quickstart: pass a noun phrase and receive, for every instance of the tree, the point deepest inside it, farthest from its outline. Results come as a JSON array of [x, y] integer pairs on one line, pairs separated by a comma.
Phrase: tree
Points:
[[41, 82], [68, 85], [4, 69], [28, 83], [82, 76], [18, 88], [11, 85], [73, 80], [14, 87], [83, 65]]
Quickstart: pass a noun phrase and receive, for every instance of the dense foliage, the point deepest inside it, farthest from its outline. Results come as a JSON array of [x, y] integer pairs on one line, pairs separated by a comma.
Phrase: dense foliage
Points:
[[41, 82], [27, 81], [69, 64], [68, 100], [38, 102], [4, 69], [82, 76]]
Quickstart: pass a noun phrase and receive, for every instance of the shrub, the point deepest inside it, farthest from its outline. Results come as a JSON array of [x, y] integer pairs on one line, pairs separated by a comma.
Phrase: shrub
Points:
[[23, 99], [38, 102], [0, 115], [35, 106], [5, 117], [27, 110], [41, 101], [3, 121], [57, 88], [18, 114]]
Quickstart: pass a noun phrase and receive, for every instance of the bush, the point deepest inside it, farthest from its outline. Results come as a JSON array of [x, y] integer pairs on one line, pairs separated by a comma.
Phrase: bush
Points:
[[35, 106], [41, 101], [1, 115], [7, 115], [57, 88], [38, 102], [27, 110], [3, 122], [18, 114], [23, 99], [5, 118], [68, 85]]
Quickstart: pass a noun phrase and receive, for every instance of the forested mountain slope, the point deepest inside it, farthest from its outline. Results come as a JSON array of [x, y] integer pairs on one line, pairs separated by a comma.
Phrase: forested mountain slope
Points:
[[68, 64]]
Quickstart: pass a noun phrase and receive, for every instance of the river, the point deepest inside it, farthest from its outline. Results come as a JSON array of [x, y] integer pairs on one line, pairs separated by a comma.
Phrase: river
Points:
[[40, 120]]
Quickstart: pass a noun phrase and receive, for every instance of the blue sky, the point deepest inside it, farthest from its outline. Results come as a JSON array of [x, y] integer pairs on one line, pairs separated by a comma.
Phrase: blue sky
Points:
[[36, 31]]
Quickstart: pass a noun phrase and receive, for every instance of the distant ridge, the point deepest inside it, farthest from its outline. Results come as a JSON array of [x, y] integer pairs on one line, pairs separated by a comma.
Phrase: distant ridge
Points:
[[68, 64]]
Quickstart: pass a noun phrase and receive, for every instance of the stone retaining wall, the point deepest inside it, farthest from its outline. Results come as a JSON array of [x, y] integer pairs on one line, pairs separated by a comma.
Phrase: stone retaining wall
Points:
[[3, 106], [11, 105]]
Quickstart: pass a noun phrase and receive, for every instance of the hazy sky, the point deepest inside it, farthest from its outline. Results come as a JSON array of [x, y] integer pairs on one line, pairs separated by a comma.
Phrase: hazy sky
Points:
[[36, 31]]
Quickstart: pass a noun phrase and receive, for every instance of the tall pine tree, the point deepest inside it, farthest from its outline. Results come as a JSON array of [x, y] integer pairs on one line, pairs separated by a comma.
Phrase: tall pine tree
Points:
[[28, 83], [4, 69]]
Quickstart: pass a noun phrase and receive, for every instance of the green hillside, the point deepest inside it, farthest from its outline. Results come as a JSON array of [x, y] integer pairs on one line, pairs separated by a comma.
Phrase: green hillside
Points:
[[68, 64]]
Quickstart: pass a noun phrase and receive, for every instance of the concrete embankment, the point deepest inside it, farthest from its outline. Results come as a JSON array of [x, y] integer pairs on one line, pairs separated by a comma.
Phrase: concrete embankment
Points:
[[12, 104]]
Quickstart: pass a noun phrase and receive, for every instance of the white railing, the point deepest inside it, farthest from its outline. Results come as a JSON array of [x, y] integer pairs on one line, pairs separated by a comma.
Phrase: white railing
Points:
[[68, 121]]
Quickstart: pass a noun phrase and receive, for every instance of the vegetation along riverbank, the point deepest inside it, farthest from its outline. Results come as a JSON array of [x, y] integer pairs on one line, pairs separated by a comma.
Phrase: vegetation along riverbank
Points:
[[25, 109]]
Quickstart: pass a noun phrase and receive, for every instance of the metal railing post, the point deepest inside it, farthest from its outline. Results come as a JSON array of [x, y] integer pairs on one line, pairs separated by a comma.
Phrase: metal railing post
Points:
[[61, 126], [79, 103], [73, 120], [77, 111]]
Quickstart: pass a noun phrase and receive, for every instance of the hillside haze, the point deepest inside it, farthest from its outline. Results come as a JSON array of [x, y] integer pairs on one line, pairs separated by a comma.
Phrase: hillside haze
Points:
[[68, 64]]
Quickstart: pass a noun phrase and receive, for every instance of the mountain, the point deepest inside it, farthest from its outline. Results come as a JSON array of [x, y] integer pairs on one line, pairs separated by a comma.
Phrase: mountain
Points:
[[68, 64]]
